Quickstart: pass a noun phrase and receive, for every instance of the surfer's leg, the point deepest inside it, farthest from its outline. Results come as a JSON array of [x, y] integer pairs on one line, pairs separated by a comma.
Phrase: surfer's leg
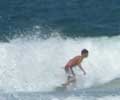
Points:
[[70, 80], [67, 74], [73, 78], [70, 77]]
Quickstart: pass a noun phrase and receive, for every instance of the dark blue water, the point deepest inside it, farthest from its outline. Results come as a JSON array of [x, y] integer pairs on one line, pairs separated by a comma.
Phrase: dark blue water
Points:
[[70, 17]]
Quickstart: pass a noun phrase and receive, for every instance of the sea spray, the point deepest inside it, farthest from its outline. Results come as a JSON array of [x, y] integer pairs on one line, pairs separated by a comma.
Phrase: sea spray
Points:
[[38, 64]]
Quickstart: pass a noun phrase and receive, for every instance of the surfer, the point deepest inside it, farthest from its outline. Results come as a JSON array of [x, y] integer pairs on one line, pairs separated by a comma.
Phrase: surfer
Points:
[[76, 61]]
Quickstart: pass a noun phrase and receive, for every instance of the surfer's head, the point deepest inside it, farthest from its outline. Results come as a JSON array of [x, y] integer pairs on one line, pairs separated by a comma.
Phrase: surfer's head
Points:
[[84, 53]]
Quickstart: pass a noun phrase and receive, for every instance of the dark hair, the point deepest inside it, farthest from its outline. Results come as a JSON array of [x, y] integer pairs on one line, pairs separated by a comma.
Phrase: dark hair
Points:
[[84, 51]]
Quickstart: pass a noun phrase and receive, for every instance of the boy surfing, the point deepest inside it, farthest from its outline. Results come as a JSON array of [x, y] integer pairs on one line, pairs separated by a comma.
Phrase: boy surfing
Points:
[[76, 61]]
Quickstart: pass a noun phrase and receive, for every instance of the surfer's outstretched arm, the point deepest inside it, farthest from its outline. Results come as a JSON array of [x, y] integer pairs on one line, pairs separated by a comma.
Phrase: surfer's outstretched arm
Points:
[[82, 69]]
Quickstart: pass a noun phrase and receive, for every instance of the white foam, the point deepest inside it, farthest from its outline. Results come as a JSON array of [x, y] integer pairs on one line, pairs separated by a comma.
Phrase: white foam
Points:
[[37, 65], [109, 98], [92, 98], [73, 98]]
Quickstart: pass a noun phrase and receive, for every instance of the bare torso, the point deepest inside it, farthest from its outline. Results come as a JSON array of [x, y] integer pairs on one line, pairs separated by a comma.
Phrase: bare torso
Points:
[[74, 61]]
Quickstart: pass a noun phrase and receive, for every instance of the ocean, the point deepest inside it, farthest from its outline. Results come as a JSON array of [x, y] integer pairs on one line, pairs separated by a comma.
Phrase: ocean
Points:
[[38, 37]]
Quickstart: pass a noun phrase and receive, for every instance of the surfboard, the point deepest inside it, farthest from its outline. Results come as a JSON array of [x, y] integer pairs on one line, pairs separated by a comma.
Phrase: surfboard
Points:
[[60, 88]]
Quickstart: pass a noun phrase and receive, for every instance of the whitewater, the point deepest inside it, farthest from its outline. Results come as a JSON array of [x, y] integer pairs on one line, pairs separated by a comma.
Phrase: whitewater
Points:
[[38, 64]]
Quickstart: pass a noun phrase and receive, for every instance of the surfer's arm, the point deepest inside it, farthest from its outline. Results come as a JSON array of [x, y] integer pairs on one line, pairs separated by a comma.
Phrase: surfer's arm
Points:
[[82, 69]]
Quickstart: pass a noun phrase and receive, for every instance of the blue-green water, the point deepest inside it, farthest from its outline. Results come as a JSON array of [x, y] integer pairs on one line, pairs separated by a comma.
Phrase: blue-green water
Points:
[[70, 17], [86, 94]]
